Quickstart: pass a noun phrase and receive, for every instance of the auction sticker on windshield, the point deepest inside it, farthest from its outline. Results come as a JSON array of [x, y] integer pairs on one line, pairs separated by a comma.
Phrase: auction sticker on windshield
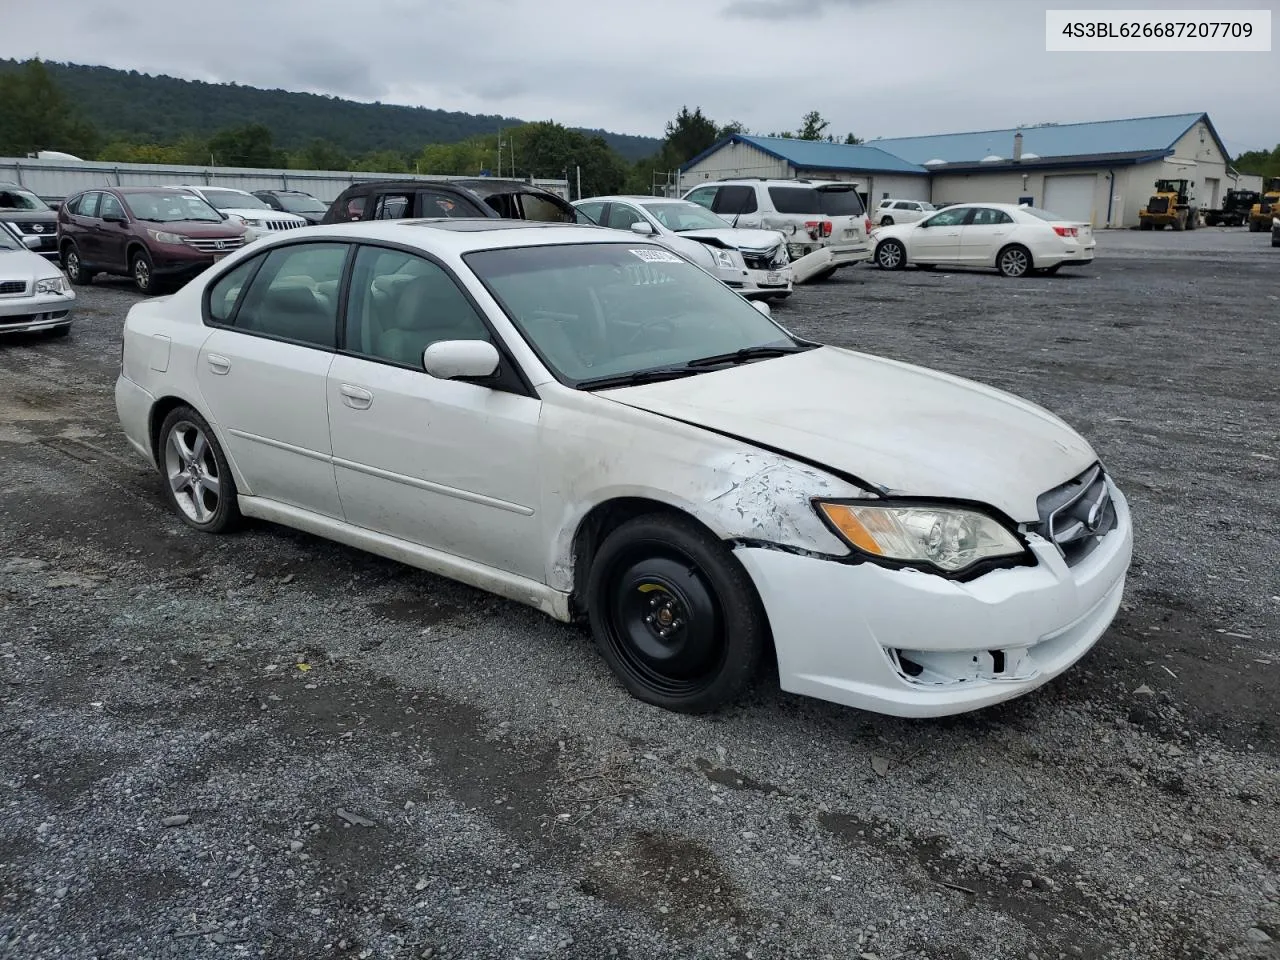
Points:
[[656, 256]]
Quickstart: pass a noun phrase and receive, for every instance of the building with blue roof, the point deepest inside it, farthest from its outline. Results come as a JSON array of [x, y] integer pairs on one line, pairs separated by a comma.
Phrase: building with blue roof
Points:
[[1100, 173]]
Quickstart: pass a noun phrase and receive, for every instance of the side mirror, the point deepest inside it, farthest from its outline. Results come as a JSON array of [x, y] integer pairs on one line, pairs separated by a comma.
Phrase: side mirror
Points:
[[460, 359], [763, 307], [643, 227], [114, 218], [223, 215]]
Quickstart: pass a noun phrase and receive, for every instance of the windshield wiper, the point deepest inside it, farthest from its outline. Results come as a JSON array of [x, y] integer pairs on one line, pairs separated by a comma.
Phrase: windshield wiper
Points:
[[747, 354], [636, 378]]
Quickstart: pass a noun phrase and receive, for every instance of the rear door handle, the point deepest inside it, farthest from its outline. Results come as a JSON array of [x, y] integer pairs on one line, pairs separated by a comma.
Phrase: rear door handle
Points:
[[219, 364], [358, 398]]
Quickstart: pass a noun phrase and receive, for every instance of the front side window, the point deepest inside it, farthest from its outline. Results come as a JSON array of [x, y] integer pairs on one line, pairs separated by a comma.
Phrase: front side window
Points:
[[434, 204], [621, 216], [88, 205], [15, 198], [393, 206], [295, 294], [400, 304], [948, 218], [602, 310], [225, 292], [355, 208], [543, 209], [110, 207]]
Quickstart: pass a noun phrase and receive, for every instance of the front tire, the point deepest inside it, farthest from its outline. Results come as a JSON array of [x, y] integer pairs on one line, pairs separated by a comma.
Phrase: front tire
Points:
[[1014, 261], [74, 267], [675, 616], [197, 479], [140, 270], [891, 255]]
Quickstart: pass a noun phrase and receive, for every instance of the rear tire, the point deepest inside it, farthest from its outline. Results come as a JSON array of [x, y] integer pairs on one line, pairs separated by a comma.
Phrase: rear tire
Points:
[[675, 616], [886, 221], [195, 473], [1014, 261], [891, 255], [74, 267]]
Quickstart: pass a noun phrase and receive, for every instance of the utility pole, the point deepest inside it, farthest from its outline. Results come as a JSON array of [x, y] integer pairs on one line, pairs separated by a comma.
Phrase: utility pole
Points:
[[499, 151], [579, 182]]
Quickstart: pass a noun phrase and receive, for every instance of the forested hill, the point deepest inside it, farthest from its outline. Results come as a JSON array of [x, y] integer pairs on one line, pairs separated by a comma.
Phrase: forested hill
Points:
[[126, 105]]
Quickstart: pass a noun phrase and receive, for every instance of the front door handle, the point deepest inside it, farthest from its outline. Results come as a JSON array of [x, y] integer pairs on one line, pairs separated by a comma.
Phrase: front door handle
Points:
[[358, 398], [220, 365]]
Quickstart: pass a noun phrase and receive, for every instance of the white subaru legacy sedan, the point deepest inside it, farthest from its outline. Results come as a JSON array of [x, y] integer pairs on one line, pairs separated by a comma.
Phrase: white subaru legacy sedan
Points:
[[583, 421]]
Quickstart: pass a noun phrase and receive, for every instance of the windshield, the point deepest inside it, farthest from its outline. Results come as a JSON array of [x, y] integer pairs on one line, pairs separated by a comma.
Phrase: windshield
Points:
[[1043, 214], [600, 310], [301, 203], [234, 200], [7, 242], [841, 202], [681, 216], [168, 206], [15, 198]]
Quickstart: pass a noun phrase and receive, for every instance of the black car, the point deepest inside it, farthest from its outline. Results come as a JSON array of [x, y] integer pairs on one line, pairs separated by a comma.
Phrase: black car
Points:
[[476, 197], [33, 220], [294, 201]]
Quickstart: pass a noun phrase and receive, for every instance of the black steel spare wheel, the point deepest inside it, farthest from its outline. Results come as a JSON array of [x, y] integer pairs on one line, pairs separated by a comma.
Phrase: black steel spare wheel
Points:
[[674, 614]]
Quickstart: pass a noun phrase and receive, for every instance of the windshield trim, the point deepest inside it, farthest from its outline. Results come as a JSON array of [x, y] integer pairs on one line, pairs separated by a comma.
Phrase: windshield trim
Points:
[[583, 384]]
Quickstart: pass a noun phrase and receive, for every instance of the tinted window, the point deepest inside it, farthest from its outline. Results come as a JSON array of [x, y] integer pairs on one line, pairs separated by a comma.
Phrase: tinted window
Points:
[[299, 203], [234, 200], [839, 202], [902, 205], [355, 208], [401, 304], [88, 205], [393, 206], [110, 207], [543, 209], [704, 196], [795, 200], [886, 203], [621, 216], [948, 218], [735, 200], [226, 291], [986, 217], [434, 204], [295, 294]]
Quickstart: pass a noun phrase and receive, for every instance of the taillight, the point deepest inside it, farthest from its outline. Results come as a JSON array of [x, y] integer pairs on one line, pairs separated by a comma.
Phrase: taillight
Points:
[[1067, 231], [826, 228], [866, 224], [813, 229]]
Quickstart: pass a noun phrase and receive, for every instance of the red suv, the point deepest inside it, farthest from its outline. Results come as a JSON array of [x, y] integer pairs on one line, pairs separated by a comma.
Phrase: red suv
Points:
[[152, 234]]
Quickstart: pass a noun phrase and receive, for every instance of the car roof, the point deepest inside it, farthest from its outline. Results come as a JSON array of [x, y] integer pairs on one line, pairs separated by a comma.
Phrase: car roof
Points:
[[131, 190], [465, 234], [632, 198]]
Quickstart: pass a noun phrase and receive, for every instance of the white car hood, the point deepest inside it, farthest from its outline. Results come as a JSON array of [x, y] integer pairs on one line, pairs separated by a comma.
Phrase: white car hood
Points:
[[742, 239], [25, 265], [904, 430]]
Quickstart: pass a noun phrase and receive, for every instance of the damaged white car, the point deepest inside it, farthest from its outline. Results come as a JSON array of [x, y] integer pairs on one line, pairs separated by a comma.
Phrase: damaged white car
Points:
[[753, 262], [585, 422]]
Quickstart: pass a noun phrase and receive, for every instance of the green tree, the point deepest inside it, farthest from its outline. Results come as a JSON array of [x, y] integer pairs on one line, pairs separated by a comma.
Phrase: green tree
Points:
[[812, 127], [383, 161], [731, 128], [320, 155], [851, 139], [688, 135], [1260, 163], [35, 115], [247, 146]]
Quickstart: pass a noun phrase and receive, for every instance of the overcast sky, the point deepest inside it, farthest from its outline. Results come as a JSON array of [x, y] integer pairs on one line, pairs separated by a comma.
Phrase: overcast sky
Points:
[[873, 67]]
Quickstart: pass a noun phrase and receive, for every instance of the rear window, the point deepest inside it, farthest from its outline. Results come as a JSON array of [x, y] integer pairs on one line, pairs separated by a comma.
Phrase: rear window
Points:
[[795, 200], [1044, 214], [841, 203]]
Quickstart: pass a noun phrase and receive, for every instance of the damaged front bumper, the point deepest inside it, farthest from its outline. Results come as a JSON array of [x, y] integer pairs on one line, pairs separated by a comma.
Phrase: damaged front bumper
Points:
[[912, 644]]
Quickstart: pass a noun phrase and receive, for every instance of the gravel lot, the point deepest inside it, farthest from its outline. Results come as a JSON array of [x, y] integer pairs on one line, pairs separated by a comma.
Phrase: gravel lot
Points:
[[270, 746]]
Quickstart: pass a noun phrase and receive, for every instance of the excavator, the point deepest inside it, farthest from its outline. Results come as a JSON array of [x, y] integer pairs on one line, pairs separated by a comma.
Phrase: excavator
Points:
[[1266, 207], [1170, 206]]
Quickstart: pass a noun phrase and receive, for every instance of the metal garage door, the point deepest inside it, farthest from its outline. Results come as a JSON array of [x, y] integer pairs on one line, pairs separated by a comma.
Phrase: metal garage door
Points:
[[1071, 196]]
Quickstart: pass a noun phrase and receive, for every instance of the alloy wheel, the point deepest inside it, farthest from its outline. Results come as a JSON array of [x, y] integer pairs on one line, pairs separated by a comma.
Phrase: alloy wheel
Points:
[[192, 471], [1014, 262]]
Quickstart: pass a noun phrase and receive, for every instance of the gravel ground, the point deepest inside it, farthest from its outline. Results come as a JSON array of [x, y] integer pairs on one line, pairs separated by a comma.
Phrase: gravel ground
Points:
[[267, 745]]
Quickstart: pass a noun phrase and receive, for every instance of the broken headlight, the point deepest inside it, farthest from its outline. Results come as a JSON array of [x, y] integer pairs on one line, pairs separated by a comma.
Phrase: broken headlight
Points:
[[948, 538]]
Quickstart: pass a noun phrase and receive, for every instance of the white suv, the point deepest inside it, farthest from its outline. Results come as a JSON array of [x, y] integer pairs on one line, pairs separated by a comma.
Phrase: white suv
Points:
[[893, 211], [825, 223], [259, 217]]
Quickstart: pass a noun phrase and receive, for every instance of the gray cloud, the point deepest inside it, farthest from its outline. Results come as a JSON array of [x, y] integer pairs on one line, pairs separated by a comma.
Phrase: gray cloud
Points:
[[630, 69]]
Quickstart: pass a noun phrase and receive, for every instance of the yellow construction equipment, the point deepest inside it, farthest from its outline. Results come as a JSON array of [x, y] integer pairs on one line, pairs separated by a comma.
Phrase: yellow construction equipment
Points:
[[1170, 206], [1266, 208]]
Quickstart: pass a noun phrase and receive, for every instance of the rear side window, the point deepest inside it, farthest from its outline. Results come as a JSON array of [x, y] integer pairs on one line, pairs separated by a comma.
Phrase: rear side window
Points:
[[735, 200], [355, 208], [295, 294], [841, 203], [225, 292], [391, 206], [795, 200]]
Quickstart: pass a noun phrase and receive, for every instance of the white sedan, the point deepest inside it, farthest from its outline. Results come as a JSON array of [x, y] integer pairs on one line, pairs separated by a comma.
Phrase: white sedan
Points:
[[581, 420], [1018, 241], [34, 294], [753, 262]]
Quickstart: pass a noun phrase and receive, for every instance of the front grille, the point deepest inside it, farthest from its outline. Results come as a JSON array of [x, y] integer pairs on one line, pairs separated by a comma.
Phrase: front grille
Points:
[[224, 245], [1158, 205], [45, 228], [11, 287], [765, 259], [1077, 515], [283, 224]]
